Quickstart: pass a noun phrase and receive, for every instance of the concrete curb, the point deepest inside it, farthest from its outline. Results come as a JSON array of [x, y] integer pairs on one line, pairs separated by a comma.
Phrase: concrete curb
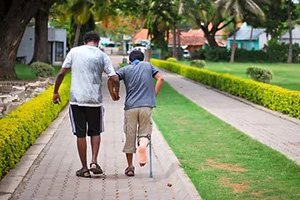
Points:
[[182, 186], [11, 181]]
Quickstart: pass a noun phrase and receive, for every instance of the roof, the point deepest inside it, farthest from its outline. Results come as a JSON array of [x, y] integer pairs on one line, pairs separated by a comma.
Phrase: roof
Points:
[[244, 34], [140, 35], [190, 38]]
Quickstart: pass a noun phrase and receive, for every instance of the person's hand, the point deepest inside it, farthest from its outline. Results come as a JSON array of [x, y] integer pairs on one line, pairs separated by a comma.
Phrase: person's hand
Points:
[[56, 98], [116, 96]]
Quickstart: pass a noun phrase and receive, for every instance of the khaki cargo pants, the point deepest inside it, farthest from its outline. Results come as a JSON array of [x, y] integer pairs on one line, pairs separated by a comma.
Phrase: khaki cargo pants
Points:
[[137, 124]]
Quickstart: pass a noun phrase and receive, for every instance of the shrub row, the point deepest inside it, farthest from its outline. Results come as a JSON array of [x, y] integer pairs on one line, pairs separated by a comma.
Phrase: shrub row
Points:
[[270, 96], [20, 128]]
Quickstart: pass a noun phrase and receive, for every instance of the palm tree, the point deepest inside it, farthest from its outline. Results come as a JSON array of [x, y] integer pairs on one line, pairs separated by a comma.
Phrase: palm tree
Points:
[[81, 12], [236, 9]]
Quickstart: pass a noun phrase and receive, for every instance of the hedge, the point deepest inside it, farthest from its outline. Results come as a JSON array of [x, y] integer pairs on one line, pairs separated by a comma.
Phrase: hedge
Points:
[[20, 128], [270, 96]]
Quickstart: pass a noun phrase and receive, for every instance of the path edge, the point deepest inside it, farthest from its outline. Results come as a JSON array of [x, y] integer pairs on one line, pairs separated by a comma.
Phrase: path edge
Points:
[[181, 184]]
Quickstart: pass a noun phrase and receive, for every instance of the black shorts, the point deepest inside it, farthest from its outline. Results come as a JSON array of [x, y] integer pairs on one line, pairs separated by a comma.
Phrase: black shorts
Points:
[[86, 120]]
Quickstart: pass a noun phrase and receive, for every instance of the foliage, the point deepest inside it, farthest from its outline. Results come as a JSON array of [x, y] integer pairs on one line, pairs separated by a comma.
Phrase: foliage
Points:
[[20, 128], [172, 59], [205, 15], [270, 54], [210, 143], [122, 64], [42, 69], [198, 63], [278, 52], [259, 74], [270, 96]]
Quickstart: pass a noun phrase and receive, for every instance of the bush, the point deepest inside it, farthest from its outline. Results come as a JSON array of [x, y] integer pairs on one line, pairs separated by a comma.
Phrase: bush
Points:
[[42, 69], [258, 74], [198, 63], [20, 128], [123, 65], [172, 60], [278, 52], [270, 96]]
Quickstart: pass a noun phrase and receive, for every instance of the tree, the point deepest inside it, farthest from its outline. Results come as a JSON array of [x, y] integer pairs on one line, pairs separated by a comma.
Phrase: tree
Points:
[[14, 17], [159, 22], [205, 15], [290, 54], [81, 12], [237, 10], [41, 34]]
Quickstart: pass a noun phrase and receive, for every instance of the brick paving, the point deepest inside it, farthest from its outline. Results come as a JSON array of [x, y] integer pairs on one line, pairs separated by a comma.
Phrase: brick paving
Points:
[[52, 175], [278, 133]]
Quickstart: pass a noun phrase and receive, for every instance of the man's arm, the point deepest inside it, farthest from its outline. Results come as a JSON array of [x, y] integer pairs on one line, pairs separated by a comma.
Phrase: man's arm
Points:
[[113, 84], [159, 82], [58, 81]]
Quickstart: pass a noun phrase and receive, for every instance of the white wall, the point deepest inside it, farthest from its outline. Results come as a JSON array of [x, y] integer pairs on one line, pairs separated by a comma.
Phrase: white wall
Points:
[[27, 44], [263, 40]]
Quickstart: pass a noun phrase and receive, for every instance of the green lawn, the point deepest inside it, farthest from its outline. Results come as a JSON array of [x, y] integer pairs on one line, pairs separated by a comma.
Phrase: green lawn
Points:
[[24, 72], [287, 76], [222, 162]]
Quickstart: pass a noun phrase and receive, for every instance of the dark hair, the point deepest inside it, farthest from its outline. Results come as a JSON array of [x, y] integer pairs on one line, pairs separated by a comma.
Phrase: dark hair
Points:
[[91, 36], [136, 55]]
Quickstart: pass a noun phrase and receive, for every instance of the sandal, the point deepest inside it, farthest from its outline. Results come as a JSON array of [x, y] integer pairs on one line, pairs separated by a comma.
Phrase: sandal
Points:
[[85, 173], [129, 171], [97, 169]]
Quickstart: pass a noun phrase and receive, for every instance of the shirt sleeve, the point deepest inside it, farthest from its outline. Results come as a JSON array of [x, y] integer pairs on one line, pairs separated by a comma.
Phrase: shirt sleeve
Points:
[[154, 70], [108, 67], [121, 73], [68, 60]]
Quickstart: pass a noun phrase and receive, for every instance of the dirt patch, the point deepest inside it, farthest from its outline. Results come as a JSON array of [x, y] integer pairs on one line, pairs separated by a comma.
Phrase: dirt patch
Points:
[[227, 166], [237, 187]]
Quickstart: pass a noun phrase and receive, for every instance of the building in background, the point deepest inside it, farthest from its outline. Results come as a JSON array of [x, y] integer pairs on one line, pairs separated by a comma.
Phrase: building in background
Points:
[[248, 38], [57, 45], [295, 34]]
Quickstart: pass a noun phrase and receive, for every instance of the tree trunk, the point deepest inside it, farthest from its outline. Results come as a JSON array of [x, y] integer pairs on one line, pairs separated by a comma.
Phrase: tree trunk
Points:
[[251, 33], [234, 45], [210, 36], [179, 53], [13, 22], [174, 41], [77, 34], [41, 36], [290, 55]]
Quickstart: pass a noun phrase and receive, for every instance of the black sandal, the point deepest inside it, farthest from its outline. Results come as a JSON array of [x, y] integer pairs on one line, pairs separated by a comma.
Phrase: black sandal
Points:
[[85, 173], [97, 169], [128, 170]]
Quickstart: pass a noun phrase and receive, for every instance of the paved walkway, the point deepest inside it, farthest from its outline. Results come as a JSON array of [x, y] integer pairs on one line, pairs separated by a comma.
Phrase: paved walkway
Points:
[[52, 174], [280, 134]]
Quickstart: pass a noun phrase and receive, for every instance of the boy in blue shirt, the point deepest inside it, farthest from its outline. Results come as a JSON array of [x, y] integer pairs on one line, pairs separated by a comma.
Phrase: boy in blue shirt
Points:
[[140, 99]]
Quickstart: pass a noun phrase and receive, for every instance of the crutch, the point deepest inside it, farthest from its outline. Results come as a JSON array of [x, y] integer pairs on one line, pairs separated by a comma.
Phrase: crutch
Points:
[[150, 157]]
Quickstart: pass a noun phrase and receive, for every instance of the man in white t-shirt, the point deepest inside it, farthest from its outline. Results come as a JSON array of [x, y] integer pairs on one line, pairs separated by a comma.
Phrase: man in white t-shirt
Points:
[[86, 111]]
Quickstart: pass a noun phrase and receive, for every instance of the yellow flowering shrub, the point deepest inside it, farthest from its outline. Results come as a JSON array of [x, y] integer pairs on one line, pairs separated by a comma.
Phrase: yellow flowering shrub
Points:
[[20, 128], [270, 96]]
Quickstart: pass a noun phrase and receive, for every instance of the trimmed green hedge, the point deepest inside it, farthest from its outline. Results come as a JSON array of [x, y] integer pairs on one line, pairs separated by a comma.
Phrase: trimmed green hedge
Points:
[[20, 128], [270, 96]]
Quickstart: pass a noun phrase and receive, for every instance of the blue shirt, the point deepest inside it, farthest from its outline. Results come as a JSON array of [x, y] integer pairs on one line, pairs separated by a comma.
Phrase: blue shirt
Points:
[[138, 80]]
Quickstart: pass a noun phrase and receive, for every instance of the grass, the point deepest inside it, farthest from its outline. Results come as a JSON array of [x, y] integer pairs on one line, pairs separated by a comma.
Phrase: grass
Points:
[[24, 72], [285, 75], [222, 162]]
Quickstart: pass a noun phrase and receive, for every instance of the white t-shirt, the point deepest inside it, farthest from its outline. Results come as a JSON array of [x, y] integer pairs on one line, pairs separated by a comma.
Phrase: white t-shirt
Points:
[[87, 64]]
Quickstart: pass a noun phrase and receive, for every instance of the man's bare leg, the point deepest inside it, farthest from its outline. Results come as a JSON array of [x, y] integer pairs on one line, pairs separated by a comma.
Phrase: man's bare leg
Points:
[[95, 143]]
